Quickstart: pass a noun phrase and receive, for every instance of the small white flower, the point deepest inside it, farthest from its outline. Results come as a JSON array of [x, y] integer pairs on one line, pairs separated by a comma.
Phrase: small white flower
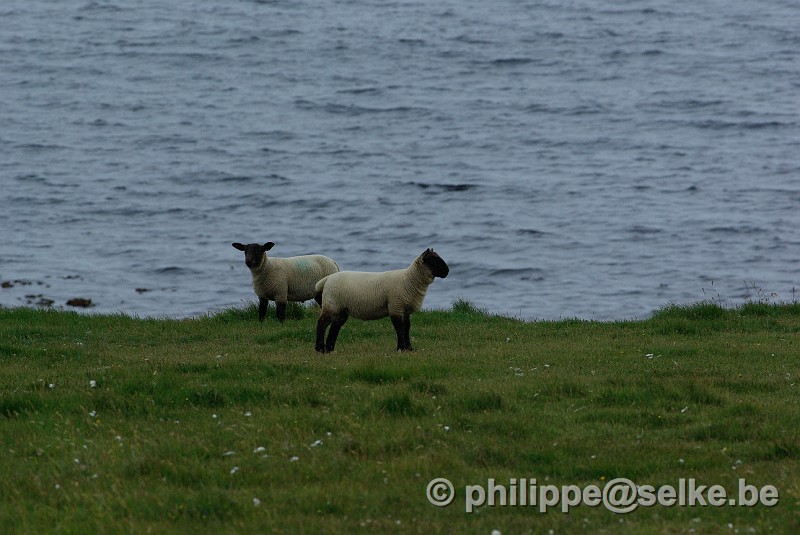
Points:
[[234, 470], [256, 502], [228, 453], [496, 532], [316, 443], [447, 428], [294, 459], [51, 385], [214, 416], [260, 449], [92, 383], [92, 414], [248, 413]]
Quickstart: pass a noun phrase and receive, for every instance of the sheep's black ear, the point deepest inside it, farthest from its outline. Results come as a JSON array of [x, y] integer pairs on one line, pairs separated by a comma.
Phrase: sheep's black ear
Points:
[[267, 246], [239, 246]]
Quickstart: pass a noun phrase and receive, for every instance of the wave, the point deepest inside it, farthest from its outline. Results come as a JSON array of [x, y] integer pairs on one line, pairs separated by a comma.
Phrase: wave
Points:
[[40, 147], [361, 91], [242, 179], [525, 274], [511, 62], [737, 229], [717, 124], [643, 230], [174, 270], [355, 110], [443, 188], [272, 135], [531, 232]]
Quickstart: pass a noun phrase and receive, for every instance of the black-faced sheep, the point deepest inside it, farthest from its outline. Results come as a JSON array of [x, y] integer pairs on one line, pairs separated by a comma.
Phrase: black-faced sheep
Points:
[[370, 296], [283, 279]]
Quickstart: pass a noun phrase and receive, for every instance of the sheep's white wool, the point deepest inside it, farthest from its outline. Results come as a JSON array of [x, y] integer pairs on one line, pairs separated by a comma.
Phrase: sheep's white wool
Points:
[[283, 279], [369, 296], [290, 279]]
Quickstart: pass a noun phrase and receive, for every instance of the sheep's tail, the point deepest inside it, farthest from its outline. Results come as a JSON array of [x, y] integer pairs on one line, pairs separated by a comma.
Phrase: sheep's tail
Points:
[[318, 290]]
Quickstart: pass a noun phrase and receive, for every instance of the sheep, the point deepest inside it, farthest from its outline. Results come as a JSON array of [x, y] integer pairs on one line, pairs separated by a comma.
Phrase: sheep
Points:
[[283, 279], [370, 296]]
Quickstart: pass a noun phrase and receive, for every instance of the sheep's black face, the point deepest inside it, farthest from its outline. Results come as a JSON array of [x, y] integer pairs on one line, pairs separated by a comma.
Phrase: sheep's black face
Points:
[[253, 252], [435, 263]]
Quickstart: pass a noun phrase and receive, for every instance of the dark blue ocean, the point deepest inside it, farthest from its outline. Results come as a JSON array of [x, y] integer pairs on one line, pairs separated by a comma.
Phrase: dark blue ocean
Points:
[[589, 158]]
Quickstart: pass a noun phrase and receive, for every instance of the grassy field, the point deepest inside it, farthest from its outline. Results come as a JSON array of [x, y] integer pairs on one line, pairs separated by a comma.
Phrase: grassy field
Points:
[[220, 424]]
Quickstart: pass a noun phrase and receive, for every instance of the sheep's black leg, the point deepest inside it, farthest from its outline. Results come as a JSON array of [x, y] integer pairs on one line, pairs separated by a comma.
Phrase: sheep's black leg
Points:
[[322, 324], [280, 309], [262, 308], [399, 327], [336, 325], [407, 332]]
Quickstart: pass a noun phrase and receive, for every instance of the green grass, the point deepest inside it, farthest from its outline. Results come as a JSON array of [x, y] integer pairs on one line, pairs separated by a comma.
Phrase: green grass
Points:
[[190, 421]]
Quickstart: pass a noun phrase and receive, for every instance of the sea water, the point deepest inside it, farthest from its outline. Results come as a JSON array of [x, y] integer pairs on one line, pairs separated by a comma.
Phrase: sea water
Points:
[[591, 159]]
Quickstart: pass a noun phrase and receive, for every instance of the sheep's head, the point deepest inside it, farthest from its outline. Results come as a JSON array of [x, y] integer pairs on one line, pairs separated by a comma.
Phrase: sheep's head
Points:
[[253, 252], [435, 263]]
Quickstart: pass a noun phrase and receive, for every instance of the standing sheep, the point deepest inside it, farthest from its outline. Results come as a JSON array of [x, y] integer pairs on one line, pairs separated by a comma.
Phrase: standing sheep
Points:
[[371, 296], [283, 279]]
